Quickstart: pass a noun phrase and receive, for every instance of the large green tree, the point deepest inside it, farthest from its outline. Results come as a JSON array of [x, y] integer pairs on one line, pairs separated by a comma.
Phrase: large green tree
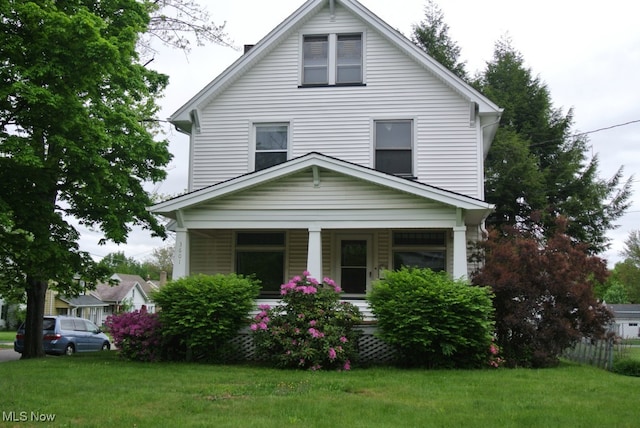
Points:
[[432, 35], [537, 169], [631, 250], [118, 262], [74, 139], [627, 274], [161, 260]]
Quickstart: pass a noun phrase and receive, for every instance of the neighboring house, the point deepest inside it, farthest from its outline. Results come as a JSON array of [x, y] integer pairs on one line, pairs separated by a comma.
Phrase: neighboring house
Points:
[[131, 292], [83, 306], [336, 146], [627, 320]]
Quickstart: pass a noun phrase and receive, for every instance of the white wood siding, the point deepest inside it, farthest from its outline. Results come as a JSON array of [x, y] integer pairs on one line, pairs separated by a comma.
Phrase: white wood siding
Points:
[[296, 262], [338, 121], [338, 202]]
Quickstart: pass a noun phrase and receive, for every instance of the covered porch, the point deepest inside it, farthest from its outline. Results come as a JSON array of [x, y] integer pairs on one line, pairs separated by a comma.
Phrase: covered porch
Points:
[[328, 217]]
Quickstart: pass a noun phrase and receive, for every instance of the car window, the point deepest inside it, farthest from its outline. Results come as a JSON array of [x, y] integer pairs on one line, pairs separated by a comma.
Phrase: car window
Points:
[[49, 324], [91, 326], [67, 324]]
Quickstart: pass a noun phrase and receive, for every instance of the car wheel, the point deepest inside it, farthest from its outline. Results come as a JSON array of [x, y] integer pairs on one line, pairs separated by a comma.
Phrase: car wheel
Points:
[[106, 346], [69, 350]]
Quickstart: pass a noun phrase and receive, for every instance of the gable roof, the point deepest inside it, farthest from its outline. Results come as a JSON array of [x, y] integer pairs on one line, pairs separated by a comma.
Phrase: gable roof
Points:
[[119, 292], [187, 114], [477, 209], [82, 301], [625, 311]]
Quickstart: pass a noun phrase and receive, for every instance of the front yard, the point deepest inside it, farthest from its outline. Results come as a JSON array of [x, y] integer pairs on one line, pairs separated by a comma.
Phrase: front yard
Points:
[[6, 339], [98, 389]]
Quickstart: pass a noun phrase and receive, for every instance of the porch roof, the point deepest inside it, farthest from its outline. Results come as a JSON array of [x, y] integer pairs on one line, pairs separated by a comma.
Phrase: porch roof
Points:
[[475, 210]]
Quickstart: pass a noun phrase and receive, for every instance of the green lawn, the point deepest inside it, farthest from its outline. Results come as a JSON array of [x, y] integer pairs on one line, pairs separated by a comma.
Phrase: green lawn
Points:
[[98, 389], [7, 336]]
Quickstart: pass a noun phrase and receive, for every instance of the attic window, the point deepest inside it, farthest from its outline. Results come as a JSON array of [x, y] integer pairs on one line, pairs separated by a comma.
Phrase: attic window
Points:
[[315, 60], [333, 59], [349, 60]]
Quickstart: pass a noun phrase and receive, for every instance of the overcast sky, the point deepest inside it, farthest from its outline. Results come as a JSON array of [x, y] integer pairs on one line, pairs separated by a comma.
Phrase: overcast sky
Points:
[[586, 51]]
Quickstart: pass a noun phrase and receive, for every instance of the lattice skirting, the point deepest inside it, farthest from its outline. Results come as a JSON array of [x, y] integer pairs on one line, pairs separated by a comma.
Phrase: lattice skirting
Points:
[[371, 350]]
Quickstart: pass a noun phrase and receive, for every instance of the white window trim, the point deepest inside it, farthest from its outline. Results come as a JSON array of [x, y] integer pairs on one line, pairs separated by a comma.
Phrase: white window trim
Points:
[[252, 138], [332, 52], [414, 125]]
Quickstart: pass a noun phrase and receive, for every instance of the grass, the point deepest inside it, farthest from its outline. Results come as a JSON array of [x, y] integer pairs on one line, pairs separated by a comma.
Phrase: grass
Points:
[[7, 337], [632, 353], [98, 389]]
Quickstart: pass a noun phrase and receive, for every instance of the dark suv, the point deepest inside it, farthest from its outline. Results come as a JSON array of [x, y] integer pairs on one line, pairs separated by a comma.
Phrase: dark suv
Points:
[[66, 335]]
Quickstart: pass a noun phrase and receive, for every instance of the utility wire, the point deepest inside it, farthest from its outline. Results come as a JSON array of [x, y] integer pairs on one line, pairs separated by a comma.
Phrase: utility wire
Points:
[[581, 134]]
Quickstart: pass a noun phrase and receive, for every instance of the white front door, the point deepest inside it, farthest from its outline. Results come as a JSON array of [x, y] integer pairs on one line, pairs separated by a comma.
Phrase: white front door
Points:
[[354, 263]]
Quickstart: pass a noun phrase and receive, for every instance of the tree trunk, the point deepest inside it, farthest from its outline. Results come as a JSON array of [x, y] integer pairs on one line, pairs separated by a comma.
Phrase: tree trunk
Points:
[[36, 291]]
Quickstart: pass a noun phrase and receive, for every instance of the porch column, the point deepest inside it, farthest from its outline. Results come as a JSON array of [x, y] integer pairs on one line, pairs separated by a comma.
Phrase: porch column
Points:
[[314, 253], [460, 252], [181, 254]]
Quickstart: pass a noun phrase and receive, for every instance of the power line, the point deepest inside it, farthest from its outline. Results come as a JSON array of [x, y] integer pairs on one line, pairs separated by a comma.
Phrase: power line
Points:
[[631, 122], [581, 134]]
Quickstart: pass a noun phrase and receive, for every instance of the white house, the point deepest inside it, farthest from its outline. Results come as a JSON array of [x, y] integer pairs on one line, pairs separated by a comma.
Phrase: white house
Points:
[[131, 292], [333, 145], [627, 320]]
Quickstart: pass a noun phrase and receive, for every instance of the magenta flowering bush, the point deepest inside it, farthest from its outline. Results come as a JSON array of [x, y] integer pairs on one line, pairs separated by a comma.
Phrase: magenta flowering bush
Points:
[[137, 335], [495, 360], [311, 329]]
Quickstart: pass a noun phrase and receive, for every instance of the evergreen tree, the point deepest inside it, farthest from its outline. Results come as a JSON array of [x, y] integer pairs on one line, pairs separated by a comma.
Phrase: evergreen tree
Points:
[[432, 35], [631, 249], [552, 175]]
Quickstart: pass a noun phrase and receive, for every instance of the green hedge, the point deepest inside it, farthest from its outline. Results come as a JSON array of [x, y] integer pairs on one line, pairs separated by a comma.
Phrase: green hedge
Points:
[[627, 367], [200, 314], [432, 320]]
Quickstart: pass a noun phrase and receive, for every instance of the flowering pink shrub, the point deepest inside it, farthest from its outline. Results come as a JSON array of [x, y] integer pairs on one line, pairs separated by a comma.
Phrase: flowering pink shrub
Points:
[[311, 330], [136, 334], [495, 360]]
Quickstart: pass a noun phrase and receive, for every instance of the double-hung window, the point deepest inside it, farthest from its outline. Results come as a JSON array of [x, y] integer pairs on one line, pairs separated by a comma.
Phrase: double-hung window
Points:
[[262, 255], [421, 249], [394, 147], [349, 59], [332, 59], [315, 59], [272, 141]]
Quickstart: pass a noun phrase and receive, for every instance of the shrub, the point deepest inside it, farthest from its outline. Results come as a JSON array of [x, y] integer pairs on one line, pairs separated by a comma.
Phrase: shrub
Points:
[[312, 329], [201, 313], [627, 367], [432, 320], [543, 291], [137, 335]]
